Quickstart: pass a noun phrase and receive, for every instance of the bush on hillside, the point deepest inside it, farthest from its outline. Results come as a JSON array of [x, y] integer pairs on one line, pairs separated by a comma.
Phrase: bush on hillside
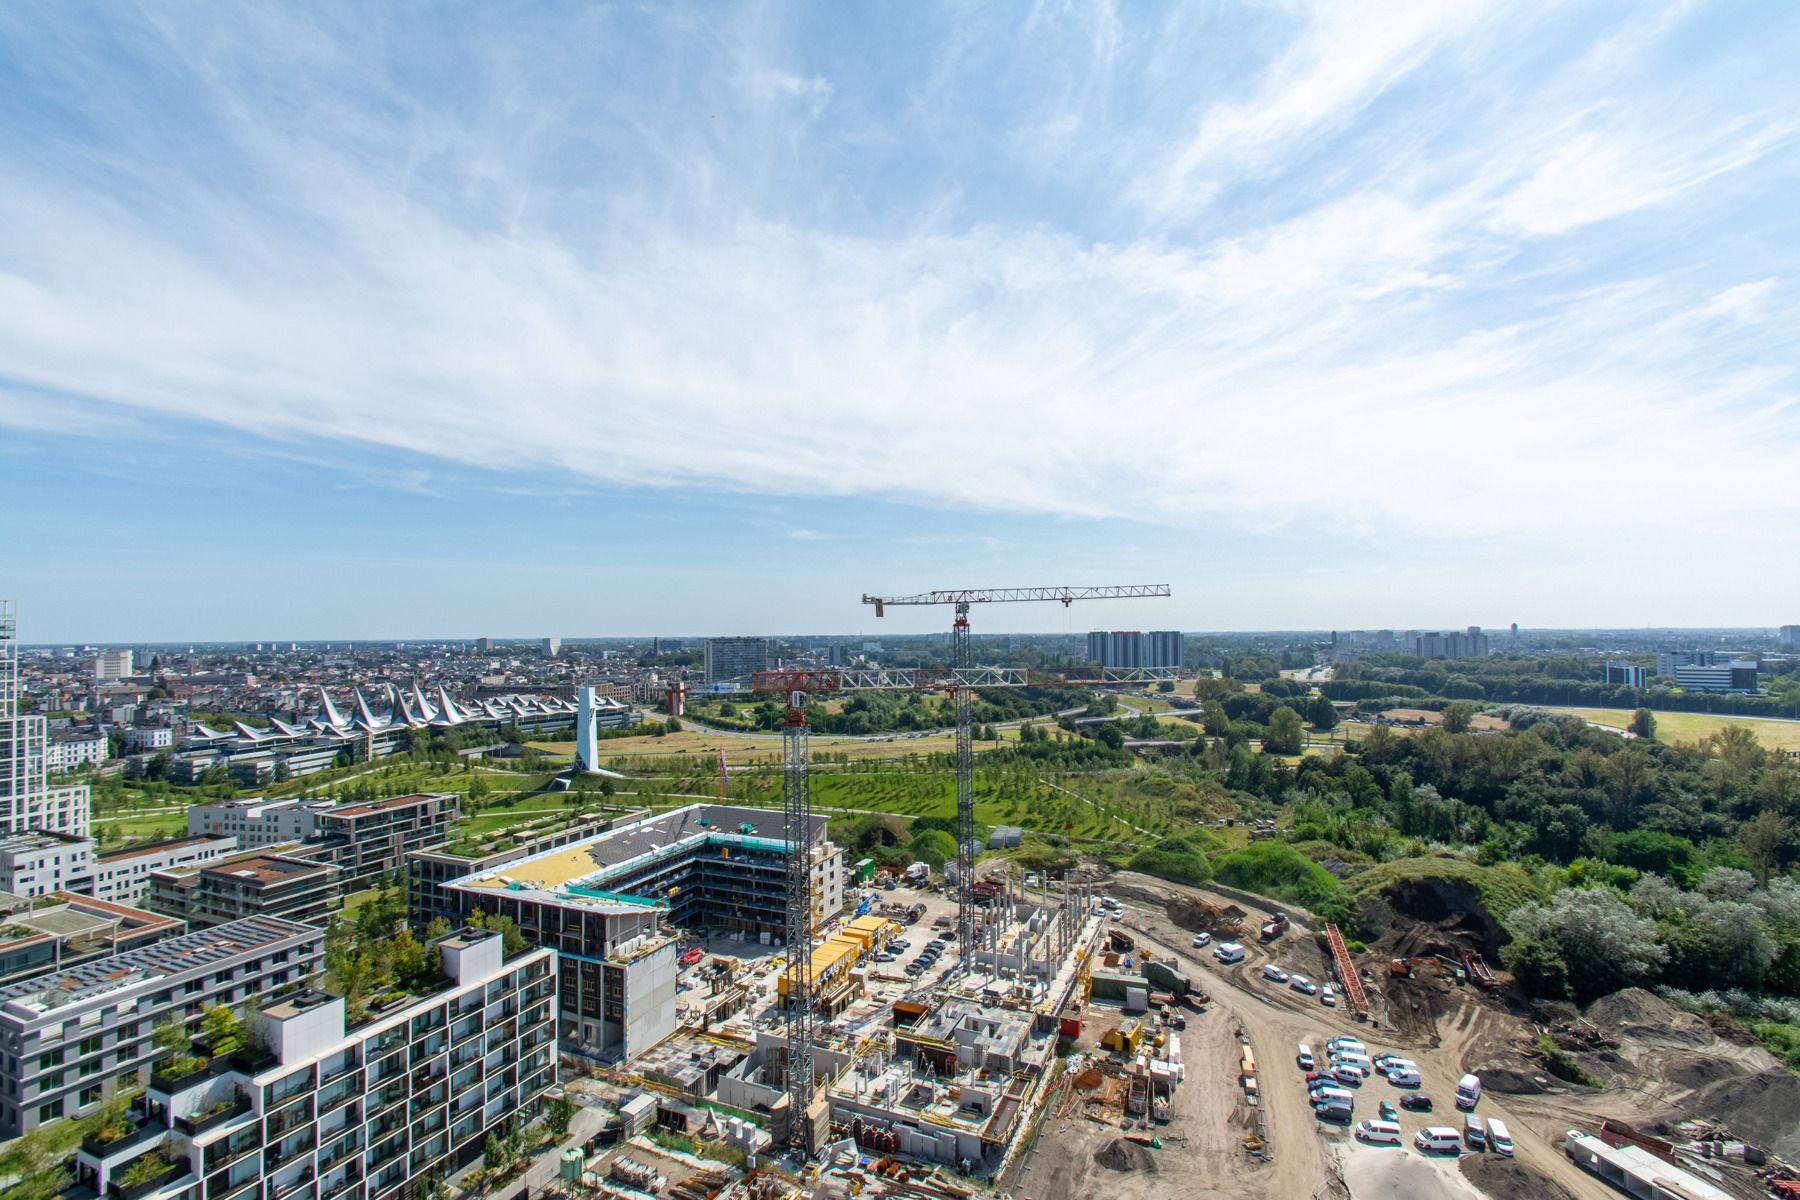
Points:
[[1276, 869], [1178, 859]]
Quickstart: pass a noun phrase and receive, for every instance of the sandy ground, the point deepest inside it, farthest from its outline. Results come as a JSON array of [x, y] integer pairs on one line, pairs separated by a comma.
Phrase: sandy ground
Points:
[[1305, 1153]]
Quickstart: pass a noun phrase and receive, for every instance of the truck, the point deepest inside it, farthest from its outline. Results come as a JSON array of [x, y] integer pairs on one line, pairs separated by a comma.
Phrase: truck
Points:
[[1275, 926], [1120, 941], [918, 873]]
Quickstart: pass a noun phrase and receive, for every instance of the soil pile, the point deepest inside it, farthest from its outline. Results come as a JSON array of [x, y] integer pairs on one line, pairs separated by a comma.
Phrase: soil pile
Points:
[[1513, 1076], [1123, 1154], [1649, 1018], [1510, 1179], [1758, 1108]]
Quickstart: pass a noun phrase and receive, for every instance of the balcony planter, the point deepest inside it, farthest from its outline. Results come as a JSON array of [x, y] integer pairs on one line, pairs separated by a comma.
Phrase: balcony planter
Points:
[[178, 1073], [146, 1183], [99, 1148], [212, 1119]]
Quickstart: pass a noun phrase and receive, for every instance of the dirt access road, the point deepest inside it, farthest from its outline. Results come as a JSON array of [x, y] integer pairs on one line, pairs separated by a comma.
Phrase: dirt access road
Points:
[[1307, 1156]]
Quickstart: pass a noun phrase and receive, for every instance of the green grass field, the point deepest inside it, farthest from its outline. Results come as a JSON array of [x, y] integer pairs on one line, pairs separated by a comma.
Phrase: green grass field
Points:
[[1676, 727]]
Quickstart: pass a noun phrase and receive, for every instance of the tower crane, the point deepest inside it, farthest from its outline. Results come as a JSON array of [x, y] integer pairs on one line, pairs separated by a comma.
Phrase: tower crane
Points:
[[962, 695], [794, 685]]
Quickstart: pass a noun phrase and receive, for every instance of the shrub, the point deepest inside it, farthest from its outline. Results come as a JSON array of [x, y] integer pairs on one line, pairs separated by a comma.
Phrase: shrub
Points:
[[1174, 858]]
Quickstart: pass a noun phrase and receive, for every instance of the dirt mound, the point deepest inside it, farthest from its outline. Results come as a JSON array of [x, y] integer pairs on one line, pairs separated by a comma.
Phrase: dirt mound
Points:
[[1415, 1006], [1513, 1076], [1763, 1109], [1510, 1179], [1123, 1154], [1649, 1018], [1698, 1070]]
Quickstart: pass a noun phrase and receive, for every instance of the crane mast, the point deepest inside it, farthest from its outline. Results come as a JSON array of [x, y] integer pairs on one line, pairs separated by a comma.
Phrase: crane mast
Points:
[[962, 696]]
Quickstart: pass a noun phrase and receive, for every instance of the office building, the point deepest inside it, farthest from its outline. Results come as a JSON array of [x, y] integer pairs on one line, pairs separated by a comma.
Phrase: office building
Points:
[[733, 660], [1166, 647], [1470, 643], [1729, 676], [110, 666], [27, 801], [75, 1036], [1789, 635], [1625, 674], [148, 739], [552, 647], [254, 821], [257, 883], [609, 903], [1667, 662], [61, 931], [428, 870], [337, 1108], [485, 645]]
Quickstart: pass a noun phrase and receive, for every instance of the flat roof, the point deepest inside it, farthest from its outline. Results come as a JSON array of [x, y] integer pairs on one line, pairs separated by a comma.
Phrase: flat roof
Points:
[[622, 843], [197, 949], [170, 844], [363, 810]]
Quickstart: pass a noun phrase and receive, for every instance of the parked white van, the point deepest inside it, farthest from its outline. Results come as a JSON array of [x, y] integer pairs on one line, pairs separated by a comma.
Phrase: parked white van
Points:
[[1387, 1132], [1305, 1057], [1468, 1091], [1346, 1045], [1475, 1132], [1404, 1079], [1499, 1137], [1228, 953], [1437, 1139]]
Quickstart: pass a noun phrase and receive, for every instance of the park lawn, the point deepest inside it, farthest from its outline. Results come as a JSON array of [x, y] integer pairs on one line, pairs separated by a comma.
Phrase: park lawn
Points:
[[766, 749], [143, 827], [1675, 727]]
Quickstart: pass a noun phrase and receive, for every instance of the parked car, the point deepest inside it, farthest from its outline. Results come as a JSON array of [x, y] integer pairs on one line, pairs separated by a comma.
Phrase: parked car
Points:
[[1303, 985], [884, 956], [1305, 1057], [1346, 1043], [1416, 1102], [1404, 1079], [1228, 953], [1388, 1111], [1275, 974], [899, 944], [1201, 939], [1328, 996]]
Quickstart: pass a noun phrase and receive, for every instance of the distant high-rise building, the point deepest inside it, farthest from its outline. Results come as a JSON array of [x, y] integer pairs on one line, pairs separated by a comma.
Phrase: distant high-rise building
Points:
[[485, 645], [27, 801], [1625, 674], [1668, 663], [734, 658], [111, 665], [1127, 649], [552, 647], [1471, 643], [1515, 631], [1718, 676], [1790, 635]]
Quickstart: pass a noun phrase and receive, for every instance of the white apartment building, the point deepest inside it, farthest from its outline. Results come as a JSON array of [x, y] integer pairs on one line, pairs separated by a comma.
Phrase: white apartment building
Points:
[[72, 751], [74, 1037], [141, 738], [27, 801], [335, 1111], [37, 863], [110, 666], [255, 823]]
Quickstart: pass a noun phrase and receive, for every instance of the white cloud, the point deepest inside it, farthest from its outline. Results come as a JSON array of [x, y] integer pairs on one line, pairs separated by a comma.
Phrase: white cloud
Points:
[[1389, 353]]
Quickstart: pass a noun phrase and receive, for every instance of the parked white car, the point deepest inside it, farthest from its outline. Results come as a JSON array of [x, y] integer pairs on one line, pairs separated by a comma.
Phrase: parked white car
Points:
[[1303, 985], [1275, 974], [1201, 939], [1328, 996]]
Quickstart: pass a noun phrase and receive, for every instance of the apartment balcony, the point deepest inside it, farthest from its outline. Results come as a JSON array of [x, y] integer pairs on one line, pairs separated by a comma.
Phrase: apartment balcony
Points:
[[286, 1121], [279, 1155], [338, 1151], [244, 1189], [231, 1150], [215, 1117], [170, 1178], [387, 1125], [386, 1153], [347, 1188], [350, 1066], [336, 1098], [284, 1190]]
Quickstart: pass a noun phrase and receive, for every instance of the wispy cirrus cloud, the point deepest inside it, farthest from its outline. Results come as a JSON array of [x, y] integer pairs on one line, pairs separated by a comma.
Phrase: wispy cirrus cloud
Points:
[[1452, 252]]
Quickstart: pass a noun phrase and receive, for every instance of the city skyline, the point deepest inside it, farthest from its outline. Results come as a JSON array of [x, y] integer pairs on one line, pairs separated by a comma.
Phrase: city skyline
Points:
[[334, 324]]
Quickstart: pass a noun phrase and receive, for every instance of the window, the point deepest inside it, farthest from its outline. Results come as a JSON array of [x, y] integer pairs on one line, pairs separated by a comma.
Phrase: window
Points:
[[52, 1059], [50, 1112], [90, 1045], [89, 1095]]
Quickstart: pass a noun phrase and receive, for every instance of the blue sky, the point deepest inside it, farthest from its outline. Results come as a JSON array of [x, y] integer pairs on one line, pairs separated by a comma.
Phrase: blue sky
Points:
[[371, 322]]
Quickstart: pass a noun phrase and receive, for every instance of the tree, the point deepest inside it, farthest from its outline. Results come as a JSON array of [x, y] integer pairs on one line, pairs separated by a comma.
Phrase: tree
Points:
[[494, 1156], [1537, 964], [558, 1112], [1459, 717], [1643, 723], [1322, 714], [221, 1030], [1767, 840], [1110, 735], [436, 928], [170, 1035], [409, 957], [1284, 734], [1214, 719], [1603, 943], [38, 1161]]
